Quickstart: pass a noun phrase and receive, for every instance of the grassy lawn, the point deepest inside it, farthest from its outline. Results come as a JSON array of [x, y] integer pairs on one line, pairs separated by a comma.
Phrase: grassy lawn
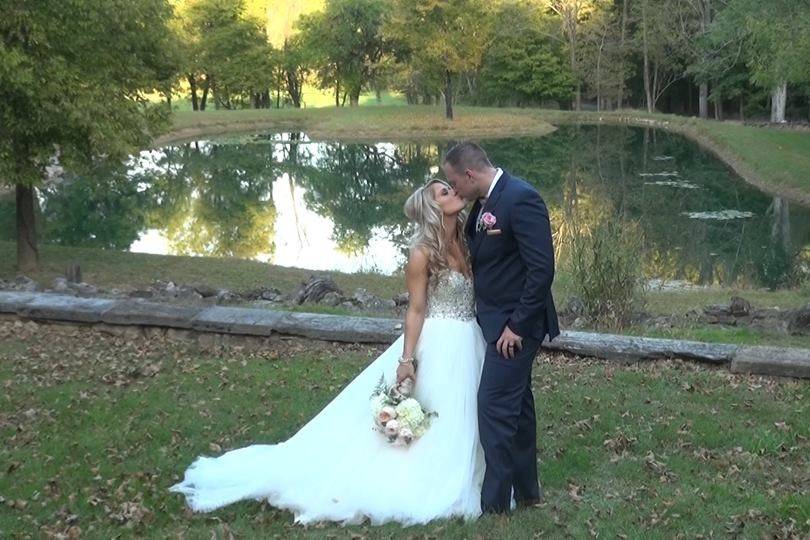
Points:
[[126, 271], [96, 428], [779, 156], [776, 160], [362, 124]]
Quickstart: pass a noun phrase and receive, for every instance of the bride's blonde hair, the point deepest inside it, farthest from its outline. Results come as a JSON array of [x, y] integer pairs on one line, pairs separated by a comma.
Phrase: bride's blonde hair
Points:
[[423, 210]]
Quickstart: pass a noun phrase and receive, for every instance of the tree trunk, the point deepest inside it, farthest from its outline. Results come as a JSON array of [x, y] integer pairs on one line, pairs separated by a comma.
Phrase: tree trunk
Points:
[[718, 105], [354, 97], [778, 102], [293, 88], [27, 250], [705, 9], [689, 101], [647, 88], [206, 88], [704, 100], [192, 84], [599, 73], [620, 96], [742, 108], [448, 95], [571, 24], [337, 93]]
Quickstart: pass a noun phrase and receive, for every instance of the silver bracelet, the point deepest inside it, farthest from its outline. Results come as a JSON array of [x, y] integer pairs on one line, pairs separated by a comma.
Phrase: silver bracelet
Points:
[[403, 360]]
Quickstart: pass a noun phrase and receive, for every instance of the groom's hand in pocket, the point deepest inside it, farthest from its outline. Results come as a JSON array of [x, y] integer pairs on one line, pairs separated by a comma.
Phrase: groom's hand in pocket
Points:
[[509, 344]]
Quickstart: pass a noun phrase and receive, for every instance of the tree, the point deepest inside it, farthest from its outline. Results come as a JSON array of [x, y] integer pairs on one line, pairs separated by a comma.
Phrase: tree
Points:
[[662, 45], [347, 43], [603, 55], [523, 66], [572, 14], [704, 11], [295, 61], [225, 51], [719, 59], [764, 44], [72, 78], [778, 46], [445, 37]]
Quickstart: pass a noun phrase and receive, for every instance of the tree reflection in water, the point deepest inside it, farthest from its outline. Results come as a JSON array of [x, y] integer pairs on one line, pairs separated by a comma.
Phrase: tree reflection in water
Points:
[[215, 198]]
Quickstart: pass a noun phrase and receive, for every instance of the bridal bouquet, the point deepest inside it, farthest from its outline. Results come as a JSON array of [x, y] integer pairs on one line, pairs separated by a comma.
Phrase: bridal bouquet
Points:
[[397, 415]]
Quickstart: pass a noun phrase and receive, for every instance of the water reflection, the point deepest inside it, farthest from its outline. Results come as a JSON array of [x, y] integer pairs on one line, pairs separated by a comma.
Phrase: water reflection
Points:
[[324, 205]]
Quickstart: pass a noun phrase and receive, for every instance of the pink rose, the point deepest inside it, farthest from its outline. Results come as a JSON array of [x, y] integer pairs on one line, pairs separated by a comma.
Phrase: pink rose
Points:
[[489, 220]]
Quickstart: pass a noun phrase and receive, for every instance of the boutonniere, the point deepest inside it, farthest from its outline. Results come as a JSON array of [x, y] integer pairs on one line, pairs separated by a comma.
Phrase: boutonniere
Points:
[[488, 220]]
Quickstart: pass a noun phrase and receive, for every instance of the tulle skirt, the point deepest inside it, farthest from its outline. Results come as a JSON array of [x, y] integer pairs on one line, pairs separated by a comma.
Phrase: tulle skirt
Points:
[[338, 468]]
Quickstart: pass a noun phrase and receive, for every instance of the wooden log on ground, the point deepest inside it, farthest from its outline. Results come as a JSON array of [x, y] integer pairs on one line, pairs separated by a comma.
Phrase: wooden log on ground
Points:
[[261, 322], [632, 348]]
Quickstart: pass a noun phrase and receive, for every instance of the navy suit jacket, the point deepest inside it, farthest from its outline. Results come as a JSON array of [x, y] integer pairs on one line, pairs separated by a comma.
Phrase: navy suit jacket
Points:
[[513, 268]]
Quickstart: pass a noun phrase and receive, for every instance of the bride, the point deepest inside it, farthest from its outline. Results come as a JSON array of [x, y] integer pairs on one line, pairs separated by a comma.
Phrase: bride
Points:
[[337, 468]]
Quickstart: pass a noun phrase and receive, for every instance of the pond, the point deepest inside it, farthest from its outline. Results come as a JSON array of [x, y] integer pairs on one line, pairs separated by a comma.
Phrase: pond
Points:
[[284, 199]]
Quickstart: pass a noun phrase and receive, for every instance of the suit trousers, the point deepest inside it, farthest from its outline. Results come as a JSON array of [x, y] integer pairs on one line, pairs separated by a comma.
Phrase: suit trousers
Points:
[[507, 427]]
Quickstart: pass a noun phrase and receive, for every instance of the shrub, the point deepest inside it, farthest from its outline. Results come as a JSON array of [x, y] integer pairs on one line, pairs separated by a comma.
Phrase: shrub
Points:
[[606, 266]]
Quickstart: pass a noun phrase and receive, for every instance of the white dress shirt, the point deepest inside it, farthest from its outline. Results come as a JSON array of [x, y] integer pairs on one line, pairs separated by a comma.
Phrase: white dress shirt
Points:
[[498, 173]]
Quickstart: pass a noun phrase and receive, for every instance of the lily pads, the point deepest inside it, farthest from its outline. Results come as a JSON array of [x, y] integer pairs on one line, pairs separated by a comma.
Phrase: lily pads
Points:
[[675, 184], [721, 215]]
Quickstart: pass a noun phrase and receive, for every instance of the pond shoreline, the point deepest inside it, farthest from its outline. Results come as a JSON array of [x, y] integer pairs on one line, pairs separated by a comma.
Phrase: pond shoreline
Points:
[[476, 123], [705, 141]]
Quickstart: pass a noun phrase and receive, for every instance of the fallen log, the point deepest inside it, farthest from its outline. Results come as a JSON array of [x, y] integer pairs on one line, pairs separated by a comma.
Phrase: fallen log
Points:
[[787, 362]]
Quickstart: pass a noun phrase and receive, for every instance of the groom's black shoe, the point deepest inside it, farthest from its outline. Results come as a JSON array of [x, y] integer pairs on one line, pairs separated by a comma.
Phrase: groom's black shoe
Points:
[[528, 503]]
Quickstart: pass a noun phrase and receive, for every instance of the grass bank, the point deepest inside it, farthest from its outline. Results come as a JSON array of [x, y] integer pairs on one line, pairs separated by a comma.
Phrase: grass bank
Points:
[[774, 159], [127, 271], [648, 450], [361, 124]]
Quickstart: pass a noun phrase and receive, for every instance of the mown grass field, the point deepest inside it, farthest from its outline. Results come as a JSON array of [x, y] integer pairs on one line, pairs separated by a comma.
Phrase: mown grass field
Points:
[[362, 124], [96, 428]]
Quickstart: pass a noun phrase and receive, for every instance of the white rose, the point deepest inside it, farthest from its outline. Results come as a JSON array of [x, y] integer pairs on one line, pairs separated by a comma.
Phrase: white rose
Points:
[[392, 428], [406, 435]]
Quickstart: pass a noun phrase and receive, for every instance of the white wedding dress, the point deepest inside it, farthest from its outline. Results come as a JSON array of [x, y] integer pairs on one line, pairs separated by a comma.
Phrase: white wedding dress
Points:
[[337, 468]]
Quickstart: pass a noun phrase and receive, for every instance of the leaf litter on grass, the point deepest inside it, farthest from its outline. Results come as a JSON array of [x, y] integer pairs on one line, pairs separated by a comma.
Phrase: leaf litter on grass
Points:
[[621, 445]]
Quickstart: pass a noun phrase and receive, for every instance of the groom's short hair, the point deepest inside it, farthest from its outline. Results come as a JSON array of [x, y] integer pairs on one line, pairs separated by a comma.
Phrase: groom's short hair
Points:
[[467, 155]]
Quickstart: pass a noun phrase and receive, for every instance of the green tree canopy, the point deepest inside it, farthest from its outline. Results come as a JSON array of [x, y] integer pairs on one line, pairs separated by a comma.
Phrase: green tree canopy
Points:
[[73, 75], [444, 38], [348, 44], [523, 66]]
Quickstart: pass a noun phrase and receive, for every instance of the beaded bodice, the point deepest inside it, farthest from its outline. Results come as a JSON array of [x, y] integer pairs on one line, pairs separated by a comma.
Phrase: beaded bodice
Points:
[[451, 297]]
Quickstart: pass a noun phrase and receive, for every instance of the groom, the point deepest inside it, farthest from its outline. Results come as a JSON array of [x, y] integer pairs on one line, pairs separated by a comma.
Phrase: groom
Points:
[[509, 237]]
